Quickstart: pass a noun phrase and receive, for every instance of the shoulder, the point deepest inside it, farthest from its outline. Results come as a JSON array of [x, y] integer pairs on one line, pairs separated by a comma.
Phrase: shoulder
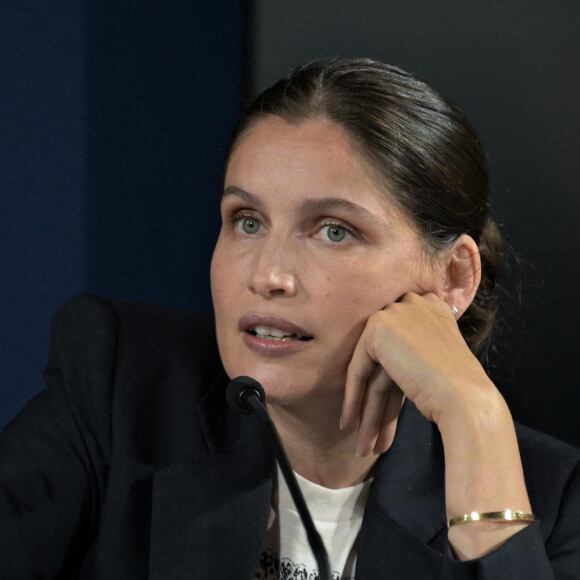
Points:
[[90, 312], [130, 346], [546, 459], [131, 328], [552, 472], [137, 370]]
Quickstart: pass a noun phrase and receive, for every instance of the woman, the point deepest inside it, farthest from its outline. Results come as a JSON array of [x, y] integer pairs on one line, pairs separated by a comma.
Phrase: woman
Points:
[[353, 277]]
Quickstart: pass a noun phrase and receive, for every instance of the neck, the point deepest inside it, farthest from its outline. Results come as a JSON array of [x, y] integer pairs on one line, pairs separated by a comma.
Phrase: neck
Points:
[[317, 449]]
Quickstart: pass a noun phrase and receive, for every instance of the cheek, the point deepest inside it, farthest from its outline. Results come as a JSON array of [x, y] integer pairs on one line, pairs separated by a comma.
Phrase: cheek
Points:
[[224, 276], [215, 277], [222, 281], [347, 300], [356, 290], [352, 294]]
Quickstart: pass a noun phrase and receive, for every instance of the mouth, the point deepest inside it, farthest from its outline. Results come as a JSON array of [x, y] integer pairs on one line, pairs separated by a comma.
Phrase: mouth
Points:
[[272, 329], [273, 333]]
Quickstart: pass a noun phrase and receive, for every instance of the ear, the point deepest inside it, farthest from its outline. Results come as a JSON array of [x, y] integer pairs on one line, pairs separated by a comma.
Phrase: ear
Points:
[[462, 274]]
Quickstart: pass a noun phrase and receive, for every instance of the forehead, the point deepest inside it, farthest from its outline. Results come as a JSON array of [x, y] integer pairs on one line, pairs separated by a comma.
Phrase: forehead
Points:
[[309, 156]]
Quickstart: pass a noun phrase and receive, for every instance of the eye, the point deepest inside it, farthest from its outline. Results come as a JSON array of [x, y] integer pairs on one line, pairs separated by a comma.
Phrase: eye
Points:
[[335, 233], [248, 225]]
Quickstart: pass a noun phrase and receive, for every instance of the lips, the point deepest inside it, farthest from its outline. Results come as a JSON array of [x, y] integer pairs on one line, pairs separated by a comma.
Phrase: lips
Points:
[[271, 328]]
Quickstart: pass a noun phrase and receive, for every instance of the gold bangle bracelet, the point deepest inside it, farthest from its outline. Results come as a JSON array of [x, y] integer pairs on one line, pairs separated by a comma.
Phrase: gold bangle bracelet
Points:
[[503, 516]]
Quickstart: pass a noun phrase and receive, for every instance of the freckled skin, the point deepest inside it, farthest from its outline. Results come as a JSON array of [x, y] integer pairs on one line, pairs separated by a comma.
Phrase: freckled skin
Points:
[[291, 270]]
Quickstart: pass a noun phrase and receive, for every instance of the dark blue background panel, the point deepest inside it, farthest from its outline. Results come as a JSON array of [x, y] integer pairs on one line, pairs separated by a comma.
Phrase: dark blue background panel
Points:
[[164, 86], [41, 176], [114, 119]]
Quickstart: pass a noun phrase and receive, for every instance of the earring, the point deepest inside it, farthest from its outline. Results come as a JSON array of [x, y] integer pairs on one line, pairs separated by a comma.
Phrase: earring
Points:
[[454, 310]]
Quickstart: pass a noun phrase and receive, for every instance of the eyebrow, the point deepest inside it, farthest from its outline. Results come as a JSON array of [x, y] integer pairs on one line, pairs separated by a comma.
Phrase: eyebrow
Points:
[[332, 203], [245, 195], [310, 205]]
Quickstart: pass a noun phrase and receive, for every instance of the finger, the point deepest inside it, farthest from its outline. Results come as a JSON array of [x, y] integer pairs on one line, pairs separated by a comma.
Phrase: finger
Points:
[[360, 369], [389, 420], [373, 409]]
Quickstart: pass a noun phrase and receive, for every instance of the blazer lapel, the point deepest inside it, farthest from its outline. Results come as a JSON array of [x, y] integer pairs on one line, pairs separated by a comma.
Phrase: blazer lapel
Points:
[[210, 513], [406, 506]]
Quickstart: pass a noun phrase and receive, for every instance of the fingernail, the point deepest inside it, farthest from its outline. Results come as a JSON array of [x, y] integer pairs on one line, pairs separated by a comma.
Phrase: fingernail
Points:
[[340, 423]]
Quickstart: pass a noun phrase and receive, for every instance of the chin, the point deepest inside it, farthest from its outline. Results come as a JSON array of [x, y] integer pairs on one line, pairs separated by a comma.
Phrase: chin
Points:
[[288, 382], [277, 383], [282, 386]]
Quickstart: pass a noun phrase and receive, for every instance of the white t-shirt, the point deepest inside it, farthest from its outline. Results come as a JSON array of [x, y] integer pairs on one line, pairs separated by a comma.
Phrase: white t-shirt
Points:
[[337, 515]]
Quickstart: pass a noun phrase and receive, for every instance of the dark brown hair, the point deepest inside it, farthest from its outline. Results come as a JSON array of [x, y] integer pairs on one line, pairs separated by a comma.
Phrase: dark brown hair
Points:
[[420, 146]]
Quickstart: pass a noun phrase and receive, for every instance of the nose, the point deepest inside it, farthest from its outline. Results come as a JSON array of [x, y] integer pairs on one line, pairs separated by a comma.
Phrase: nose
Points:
[[274, 274]]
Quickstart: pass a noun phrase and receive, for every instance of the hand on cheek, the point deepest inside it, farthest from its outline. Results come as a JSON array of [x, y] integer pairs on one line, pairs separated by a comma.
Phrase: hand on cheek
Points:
[[422, 356]]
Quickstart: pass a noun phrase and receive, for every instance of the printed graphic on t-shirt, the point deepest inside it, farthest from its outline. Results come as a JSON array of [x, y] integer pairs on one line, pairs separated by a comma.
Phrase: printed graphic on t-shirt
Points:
[[272, 568]]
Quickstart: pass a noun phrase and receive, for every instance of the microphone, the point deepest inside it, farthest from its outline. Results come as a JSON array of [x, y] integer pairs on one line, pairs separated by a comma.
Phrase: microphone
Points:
[[246, 395], [241, 395]]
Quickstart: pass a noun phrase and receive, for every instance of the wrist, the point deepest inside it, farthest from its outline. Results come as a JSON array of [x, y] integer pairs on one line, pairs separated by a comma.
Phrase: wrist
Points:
[[483, 470], [473, 411]]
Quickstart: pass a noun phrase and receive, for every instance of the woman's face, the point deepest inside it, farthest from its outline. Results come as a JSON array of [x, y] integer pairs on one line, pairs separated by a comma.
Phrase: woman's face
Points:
[[309, 248]]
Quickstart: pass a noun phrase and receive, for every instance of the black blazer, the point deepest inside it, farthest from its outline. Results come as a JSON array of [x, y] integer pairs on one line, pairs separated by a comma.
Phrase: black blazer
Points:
[[130, 465]]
